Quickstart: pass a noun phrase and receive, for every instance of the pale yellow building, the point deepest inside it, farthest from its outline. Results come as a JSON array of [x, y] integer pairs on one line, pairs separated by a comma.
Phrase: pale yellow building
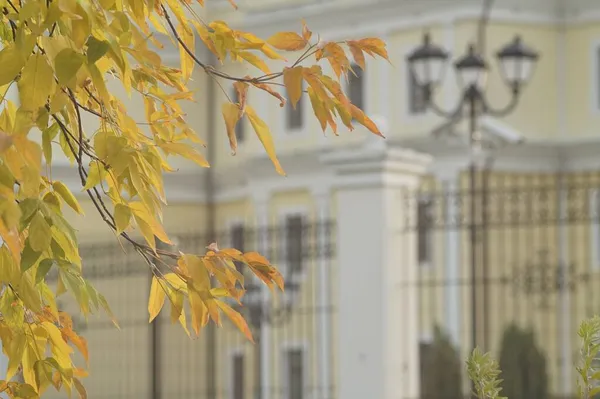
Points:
[[369, 275]]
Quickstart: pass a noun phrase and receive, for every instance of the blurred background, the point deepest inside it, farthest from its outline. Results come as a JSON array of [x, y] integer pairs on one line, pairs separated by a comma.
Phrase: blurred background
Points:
[[474, 223]]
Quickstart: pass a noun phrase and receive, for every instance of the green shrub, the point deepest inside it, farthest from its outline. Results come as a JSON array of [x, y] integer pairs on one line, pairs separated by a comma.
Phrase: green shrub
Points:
[[523, 365], [440, 369]]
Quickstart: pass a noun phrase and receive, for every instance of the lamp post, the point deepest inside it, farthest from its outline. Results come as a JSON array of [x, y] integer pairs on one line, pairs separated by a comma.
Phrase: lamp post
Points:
[[428, 64]]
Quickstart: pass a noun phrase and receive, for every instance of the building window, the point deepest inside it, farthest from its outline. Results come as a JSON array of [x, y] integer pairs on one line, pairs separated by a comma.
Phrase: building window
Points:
[[237, 241], [294, 243], [356, 87], [238, 377], [416, 99], [295, 374], [240, 132], [424, 232], [294, 117]]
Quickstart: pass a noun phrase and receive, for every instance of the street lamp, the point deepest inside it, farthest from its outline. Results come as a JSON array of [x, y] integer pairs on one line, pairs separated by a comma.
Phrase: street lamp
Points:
[[427, 63]]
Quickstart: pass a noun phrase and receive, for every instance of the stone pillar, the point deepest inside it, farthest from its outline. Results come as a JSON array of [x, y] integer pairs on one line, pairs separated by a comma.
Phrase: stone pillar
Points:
[[261, 203], [449, 175], [323, 324], [378, 337]]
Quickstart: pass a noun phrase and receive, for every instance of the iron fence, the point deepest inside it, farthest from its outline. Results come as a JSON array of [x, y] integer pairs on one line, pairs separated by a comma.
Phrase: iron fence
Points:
[[511, 266], [158, 360]]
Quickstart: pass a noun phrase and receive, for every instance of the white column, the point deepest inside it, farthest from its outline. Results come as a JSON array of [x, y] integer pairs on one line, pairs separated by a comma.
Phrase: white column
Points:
[[323, 324], [261, 203], [378, 338], [449, 175]]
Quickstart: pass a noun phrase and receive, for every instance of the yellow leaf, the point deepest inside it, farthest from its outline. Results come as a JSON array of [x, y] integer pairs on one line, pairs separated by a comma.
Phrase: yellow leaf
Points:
[[122, 217], [99, 82], [199, 311], [141, 214], [67, 196], [15, 352], [185, 151], [187, 63], [292, 79], [231, 114], [237, 319], [67, 63], [157, 298], [5, 142], [318, 107], [36, 83], [12, 61], [96, 174], [255, 60], [39, 233], [288, 41], [264, 135]]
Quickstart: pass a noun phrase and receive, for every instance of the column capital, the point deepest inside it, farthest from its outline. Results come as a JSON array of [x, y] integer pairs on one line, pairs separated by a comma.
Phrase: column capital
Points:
[[376, 163]]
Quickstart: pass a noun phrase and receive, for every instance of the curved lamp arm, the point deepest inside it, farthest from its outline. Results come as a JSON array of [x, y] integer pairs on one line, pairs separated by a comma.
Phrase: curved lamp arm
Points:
[[439, 111], [510, 107]]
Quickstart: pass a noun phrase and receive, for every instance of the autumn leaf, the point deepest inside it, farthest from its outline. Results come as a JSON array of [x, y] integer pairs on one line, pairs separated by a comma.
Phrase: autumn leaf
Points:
[[264, 135], [357, 53], [287, 41], [306, 33], [12, 61], [36, 83], [292, 79], [373, 46], [156, 299], [67, 196], [231, 114], [253, 59]]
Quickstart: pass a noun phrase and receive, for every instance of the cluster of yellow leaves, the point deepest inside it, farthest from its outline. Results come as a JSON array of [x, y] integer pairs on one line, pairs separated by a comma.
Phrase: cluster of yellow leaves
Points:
[[59, 54], [191, 279], [325, 92]]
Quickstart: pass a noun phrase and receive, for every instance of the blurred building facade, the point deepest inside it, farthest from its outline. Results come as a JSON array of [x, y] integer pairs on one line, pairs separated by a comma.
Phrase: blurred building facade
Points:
[[373, 235]]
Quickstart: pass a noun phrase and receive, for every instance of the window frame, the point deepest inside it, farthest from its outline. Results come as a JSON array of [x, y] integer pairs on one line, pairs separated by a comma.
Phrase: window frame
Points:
[[233, 354], [303, 348], [428, 235]]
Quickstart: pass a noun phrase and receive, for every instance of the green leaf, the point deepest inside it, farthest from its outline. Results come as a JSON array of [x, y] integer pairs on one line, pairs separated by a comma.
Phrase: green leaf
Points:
[[12, 62], [96, 49], [29, 257], [28, 208], [43, 269], [39, 233], [36, 83], [75, 284], [67, 64], [122, 217]]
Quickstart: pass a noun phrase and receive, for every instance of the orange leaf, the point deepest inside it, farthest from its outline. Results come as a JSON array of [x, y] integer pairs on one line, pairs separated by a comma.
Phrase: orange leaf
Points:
[[233, 4], [364, 120], [374, 45], [337, 57], [271, 91], [242, 93], [306, 34], [357, 54], [292, 79], [231, 114], [288, 41], [313, 76], [237, 319]]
